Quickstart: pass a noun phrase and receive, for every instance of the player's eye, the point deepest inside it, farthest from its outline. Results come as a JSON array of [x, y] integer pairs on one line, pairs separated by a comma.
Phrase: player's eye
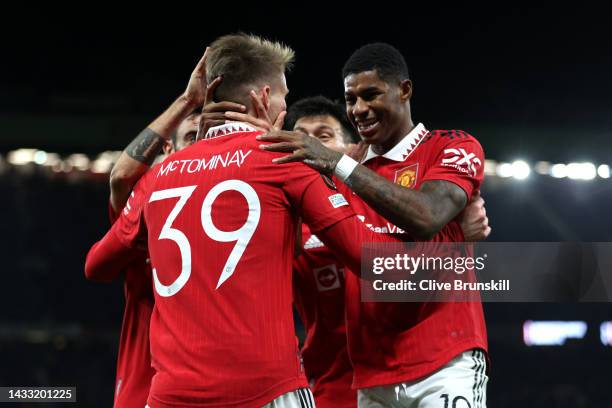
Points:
[[190, 137], [368, 96]]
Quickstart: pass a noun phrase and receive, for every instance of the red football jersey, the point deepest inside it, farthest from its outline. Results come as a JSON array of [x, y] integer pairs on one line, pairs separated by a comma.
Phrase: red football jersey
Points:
[[318, 287], [396, 342], [221, 220], [134, 371]]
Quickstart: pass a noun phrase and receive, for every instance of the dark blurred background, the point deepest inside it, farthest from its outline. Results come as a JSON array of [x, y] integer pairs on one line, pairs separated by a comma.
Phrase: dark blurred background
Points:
[[531, 84]]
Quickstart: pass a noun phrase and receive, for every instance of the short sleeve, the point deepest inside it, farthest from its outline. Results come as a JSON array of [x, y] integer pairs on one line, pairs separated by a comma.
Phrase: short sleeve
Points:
[[460, 161]]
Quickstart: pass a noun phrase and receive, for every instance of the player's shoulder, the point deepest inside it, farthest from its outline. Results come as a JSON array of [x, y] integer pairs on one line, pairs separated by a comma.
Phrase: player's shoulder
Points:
[[154, 168], [448, 135], [150, 175]]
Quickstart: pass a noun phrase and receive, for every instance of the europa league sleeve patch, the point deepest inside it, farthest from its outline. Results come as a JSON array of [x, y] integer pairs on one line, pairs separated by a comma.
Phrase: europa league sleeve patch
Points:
[[329, 182], [337, 200]]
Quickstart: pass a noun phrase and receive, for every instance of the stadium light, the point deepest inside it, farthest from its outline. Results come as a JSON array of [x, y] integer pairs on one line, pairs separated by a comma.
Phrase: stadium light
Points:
[[21, 156], [490, 167], [52, 159], [604, 171], [581, 171], [520, 170], [78, 161], [504, 170], [102, 165], [589, 171], [552, 333], [558, 170], [40, 157], [605, 331], [542, 167]]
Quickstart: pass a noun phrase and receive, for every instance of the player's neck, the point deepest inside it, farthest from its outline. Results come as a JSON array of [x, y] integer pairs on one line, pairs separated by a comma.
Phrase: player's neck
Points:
[[251, 112], [397, 137]]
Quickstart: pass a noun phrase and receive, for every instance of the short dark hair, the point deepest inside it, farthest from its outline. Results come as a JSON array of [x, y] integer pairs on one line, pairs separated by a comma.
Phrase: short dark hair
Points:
[[384, 58], [321, 106]]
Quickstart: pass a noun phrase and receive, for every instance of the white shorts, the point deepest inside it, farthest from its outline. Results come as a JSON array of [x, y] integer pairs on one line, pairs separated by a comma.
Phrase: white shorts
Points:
[[461, 383], [300, 398]]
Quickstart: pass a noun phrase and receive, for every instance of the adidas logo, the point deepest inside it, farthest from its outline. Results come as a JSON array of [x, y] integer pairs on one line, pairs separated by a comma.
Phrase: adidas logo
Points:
[[313, 242]]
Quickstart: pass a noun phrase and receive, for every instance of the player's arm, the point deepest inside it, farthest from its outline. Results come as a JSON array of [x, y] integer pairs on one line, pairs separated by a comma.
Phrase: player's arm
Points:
[[328, 215], [107, 258], [421, 212], [125, 239], [138, 156], [474, 221], [345, 239]]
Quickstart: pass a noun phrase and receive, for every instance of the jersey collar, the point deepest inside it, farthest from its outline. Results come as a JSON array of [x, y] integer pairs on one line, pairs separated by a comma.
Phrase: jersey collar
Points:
[[228, 128], [404, 148]]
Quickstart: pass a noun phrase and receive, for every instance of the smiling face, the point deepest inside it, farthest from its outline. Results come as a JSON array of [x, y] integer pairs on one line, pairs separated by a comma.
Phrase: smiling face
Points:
[[378, 109]]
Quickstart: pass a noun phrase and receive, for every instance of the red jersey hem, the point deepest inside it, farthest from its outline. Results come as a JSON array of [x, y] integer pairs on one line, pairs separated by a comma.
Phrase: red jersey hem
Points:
[[258, 401], [408, 373]]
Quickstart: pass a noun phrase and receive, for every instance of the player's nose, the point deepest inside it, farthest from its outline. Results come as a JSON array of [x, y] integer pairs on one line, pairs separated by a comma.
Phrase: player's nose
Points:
[[360, 108]]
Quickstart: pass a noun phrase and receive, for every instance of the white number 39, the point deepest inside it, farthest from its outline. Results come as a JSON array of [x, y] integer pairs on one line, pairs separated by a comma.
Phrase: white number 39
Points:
[[241, 236]]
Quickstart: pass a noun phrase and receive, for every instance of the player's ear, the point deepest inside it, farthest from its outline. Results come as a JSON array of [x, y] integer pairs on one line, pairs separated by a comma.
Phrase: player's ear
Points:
[[168, 147], [405, 90], [265, 96]]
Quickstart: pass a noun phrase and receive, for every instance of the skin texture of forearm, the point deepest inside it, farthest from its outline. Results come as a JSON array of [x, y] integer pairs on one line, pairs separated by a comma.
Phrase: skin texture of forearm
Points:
[[145, 147], [422, 213], [138, 156]]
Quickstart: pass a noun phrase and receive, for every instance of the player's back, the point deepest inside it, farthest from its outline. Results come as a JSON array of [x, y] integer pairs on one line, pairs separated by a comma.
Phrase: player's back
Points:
[[221, 236]]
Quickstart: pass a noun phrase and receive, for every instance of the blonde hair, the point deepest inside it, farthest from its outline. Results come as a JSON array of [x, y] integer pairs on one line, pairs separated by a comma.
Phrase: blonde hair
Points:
[[245, 61]]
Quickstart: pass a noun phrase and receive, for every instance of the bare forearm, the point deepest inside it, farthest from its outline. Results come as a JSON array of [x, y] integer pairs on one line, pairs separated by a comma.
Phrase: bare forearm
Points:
[[422, 213], [168, 121], [408, 209], [138, 156]]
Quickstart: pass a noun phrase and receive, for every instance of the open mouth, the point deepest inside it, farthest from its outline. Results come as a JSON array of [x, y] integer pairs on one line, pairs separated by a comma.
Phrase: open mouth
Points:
[[367, 127]]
